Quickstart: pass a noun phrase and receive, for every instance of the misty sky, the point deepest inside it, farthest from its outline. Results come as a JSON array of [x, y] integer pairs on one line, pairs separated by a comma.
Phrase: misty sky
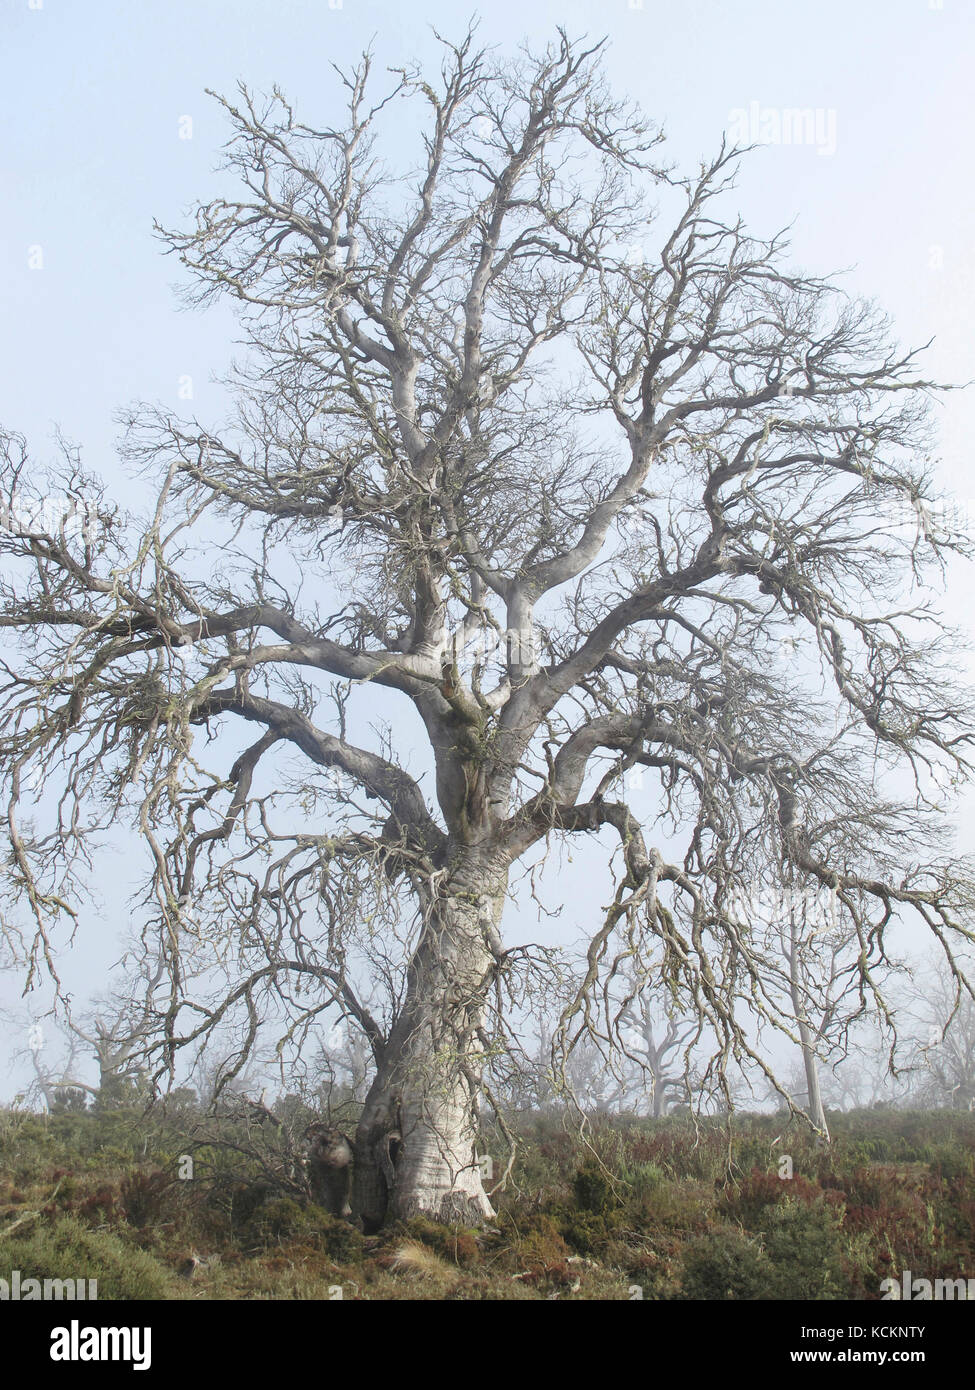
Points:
[[107, 126]]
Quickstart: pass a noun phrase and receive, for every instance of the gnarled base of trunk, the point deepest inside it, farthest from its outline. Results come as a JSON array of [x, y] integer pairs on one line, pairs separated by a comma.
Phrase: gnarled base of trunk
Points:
[[437, 1175], [415, 1143], [415, 1156]]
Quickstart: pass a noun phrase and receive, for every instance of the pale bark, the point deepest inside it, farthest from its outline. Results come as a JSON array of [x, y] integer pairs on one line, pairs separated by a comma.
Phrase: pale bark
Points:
[[415, 1143], [807, 1039], [813, 1094]]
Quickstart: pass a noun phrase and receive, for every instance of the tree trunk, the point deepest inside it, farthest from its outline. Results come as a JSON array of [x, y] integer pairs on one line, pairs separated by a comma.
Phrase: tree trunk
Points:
[[807, 1041], [415, 1142], [816, 1112], [658, 1097]]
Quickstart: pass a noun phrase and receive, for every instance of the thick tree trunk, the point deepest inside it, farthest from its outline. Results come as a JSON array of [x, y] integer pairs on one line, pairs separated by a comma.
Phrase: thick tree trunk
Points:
[[658, 1095], [415, 1142]]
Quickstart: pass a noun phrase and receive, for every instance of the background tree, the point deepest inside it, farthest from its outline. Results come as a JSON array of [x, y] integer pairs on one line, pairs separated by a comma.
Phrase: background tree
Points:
[[659, 1040], [557, 471], [945, 1013], [814, 956], [57, 1078], [113, 1033], [343, 1068], [118, 1047], [861, 1077]]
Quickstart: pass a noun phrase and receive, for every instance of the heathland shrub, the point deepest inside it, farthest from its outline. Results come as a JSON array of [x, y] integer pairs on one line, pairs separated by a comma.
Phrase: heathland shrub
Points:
[[67, 1249], [285, 1221], [594, 1190], [725, 1264]]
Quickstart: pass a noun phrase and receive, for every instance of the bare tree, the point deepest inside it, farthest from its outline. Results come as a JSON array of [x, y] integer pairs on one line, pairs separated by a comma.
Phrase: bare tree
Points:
[[659, 1039], [548, 474], [57, 1080], [114, 1034], [118, 1045], [343, 1067], [862, 1077], [946, 1015], [814, 951]]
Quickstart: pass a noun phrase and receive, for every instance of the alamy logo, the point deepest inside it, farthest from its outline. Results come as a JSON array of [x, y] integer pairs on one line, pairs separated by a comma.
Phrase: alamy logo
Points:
[[788, 125], [17, 1289], [59, 517], [76, 1343], [924, 1290]]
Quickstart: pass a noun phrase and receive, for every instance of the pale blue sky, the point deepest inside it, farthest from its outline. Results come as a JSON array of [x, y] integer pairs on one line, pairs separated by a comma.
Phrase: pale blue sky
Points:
[[93, 96]]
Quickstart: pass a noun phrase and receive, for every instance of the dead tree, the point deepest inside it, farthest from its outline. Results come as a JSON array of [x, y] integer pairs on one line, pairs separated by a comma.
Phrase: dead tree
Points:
[[552, 457], [59, 1083], [118, 1049], [945, 1014], [659, 1042]]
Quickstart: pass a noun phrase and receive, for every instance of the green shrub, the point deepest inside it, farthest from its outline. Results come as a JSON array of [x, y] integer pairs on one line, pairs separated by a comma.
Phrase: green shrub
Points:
[[587, 1232], [804, 1243], [145, 1197], [284, 1220], [643, 1179], [952, 1161], [66, 1249], [594, 1190], [724, 1265]]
